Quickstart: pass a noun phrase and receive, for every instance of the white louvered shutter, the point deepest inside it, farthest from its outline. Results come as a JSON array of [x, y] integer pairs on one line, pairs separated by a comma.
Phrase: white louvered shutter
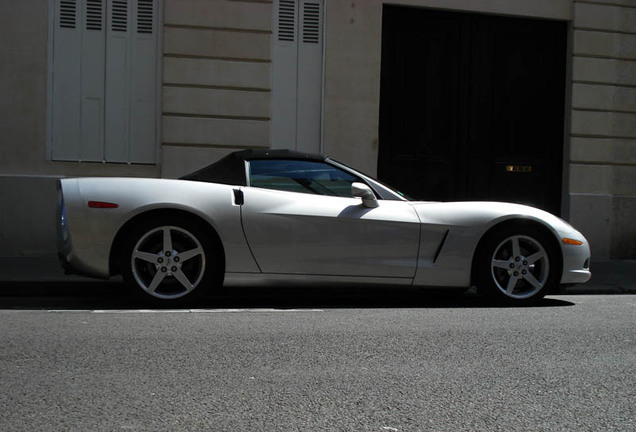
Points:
[[309, 77], [92, 84], [143, 78], [297, 75], [104, 81], [117, 83], [67, 67]]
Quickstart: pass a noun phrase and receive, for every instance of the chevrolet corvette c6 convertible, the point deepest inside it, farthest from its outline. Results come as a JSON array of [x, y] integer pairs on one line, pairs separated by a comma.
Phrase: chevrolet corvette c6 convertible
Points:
[[275, 216]]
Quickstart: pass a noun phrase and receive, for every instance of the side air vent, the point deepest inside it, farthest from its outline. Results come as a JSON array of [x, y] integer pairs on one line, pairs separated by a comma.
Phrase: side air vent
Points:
[[94, 14], [311, 23], [68, 14], [119, 21], [144, 16], [287, 20]]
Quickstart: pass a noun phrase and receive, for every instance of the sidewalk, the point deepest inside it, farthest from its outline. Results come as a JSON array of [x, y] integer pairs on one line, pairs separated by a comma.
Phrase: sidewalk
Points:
[[608, 276]]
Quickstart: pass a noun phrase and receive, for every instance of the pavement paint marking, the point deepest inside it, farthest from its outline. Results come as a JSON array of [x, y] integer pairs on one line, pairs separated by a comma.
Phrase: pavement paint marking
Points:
[[69, 311], [161, 311], [253, 310]]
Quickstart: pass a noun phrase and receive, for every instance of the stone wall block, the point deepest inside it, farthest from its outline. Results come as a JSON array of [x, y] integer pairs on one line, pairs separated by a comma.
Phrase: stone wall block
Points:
[[218, 73], [605, 17], [604, 71], [215, 132], [215, 102], [184, 160], [624, 230], [600, 44], [219, 14], [604, 97], [603, 150], [624, 181], [604, 124], [216, 44], [591, 179], [593, 216]]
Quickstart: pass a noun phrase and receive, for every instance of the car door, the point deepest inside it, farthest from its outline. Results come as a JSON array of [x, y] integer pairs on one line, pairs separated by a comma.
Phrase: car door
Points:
[[299, 218]]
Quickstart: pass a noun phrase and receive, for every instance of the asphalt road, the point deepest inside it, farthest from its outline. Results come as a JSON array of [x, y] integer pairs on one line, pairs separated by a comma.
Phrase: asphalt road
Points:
[[336, 360]]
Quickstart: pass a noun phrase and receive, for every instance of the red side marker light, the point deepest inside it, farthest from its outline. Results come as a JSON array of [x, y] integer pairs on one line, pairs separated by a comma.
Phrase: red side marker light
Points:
[[102, 205]]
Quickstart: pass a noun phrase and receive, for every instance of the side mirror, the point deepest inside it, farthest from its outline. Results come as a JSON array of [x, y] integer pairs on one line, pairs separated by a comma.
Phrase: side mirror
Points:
[[363, 191]]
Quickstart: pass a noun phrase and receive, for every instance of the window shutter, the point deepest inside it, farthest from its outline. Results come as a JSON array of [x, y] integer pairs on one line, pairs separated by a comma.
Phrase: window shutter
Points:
[[119, 15], [67, 72], [92, 83], [287, 21], [143, 77], [284, 75], [104, 81], [297, 75], [94, 14], [311, 22], [68, 14], [309, 112], [116, 82], [131, 83], [145, 13]]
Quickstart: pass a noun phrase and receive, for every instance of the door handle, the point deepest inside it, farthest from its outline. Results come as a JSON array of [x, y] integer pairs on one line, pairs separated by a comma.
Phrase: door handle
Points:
[[238, 197]]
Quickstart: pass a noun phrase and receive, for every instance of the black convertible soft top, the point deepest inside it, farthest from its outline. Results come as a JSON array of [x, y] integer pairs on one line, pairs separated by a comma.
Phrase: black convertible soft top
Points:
[[231, 169]]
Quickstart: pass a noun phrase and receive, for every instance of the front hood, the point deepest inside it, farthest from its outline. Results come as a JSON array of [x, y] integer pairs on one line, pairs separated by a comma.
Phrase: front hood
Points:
[[486, 214]]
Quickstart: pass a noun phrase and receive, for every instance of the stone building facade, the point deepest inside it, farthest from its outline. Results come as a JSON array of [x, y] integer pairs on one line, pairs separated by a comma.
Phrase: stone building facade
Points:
[[196, 79]]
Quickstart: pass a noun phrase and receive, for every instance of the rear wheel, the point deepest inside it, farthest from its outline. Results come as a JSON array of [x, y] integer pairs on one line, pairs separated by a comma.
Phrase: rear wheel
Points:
[[171, 262], [517, 265]]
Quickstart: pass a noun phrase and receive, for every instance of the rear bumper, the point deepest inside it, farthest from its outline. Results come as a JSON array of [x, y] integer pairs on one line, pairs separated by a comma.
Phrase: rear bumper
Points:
[[68, 253]]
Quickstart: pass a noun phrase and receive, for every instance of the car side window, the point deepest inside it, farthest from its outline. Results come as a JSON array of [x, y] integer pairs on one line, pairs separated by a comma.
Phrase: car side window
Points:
[[301, 176]]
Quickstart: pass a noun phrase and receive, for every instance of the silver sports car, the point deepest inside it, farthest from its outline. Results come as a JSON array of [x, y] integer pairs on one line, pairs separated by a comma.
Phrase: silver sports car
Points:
[[279, 216]]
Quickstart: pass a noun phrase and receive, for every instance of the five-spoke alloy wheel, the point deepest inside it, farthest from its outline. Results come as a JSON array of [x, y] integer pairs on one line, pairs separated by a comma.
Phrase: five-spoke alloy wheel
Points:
[[170, 261], [517, 264]]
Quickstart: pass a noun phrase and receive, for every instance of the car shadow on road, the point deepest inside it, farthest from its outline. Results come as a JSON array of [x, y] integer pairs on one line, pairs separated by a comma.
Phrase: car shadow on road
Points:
[[114, 295]]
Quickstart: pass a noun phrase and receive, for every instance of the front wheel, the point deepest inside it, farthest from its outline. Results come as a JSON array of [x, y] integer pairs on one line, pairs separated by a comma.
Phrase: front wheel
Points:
[[170, 261], [517, 265]]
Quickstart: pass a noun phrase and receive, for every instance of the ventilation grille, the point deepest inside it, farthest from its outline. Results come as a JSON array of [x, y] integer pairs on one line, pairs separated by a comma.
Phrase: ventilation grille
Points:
[[119, 20], [93, 14], [311, 23], [287, 20], [68, 14], [144, 16]]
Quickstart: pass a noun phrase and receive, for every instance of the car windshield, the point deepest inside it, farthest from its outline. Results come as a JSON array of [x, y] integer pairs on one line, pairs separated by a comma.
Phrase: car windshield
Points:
[[377, 184]]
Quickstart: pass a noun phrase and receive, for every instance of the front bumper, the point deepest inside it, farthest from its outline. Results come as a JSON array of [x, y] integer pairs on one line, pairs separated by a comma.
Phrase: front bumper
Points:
[[576, 264]]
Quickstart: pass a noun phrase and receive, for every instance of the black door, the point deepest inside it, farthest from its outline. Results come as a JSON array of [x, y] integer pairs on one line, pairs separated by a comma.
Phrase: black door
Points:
[[472, 106]]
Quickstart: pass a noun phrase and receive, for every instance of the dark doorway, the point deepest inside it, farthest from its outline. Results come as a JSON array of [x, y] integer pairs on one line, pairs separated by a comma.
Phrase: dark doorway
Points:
[[472, 106]]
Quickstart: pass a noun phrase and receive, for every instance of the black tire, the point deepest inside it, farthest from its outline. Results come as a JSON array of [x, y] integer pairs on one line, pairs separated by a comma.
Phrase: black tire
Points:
[[171, 262], [517, 265]]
